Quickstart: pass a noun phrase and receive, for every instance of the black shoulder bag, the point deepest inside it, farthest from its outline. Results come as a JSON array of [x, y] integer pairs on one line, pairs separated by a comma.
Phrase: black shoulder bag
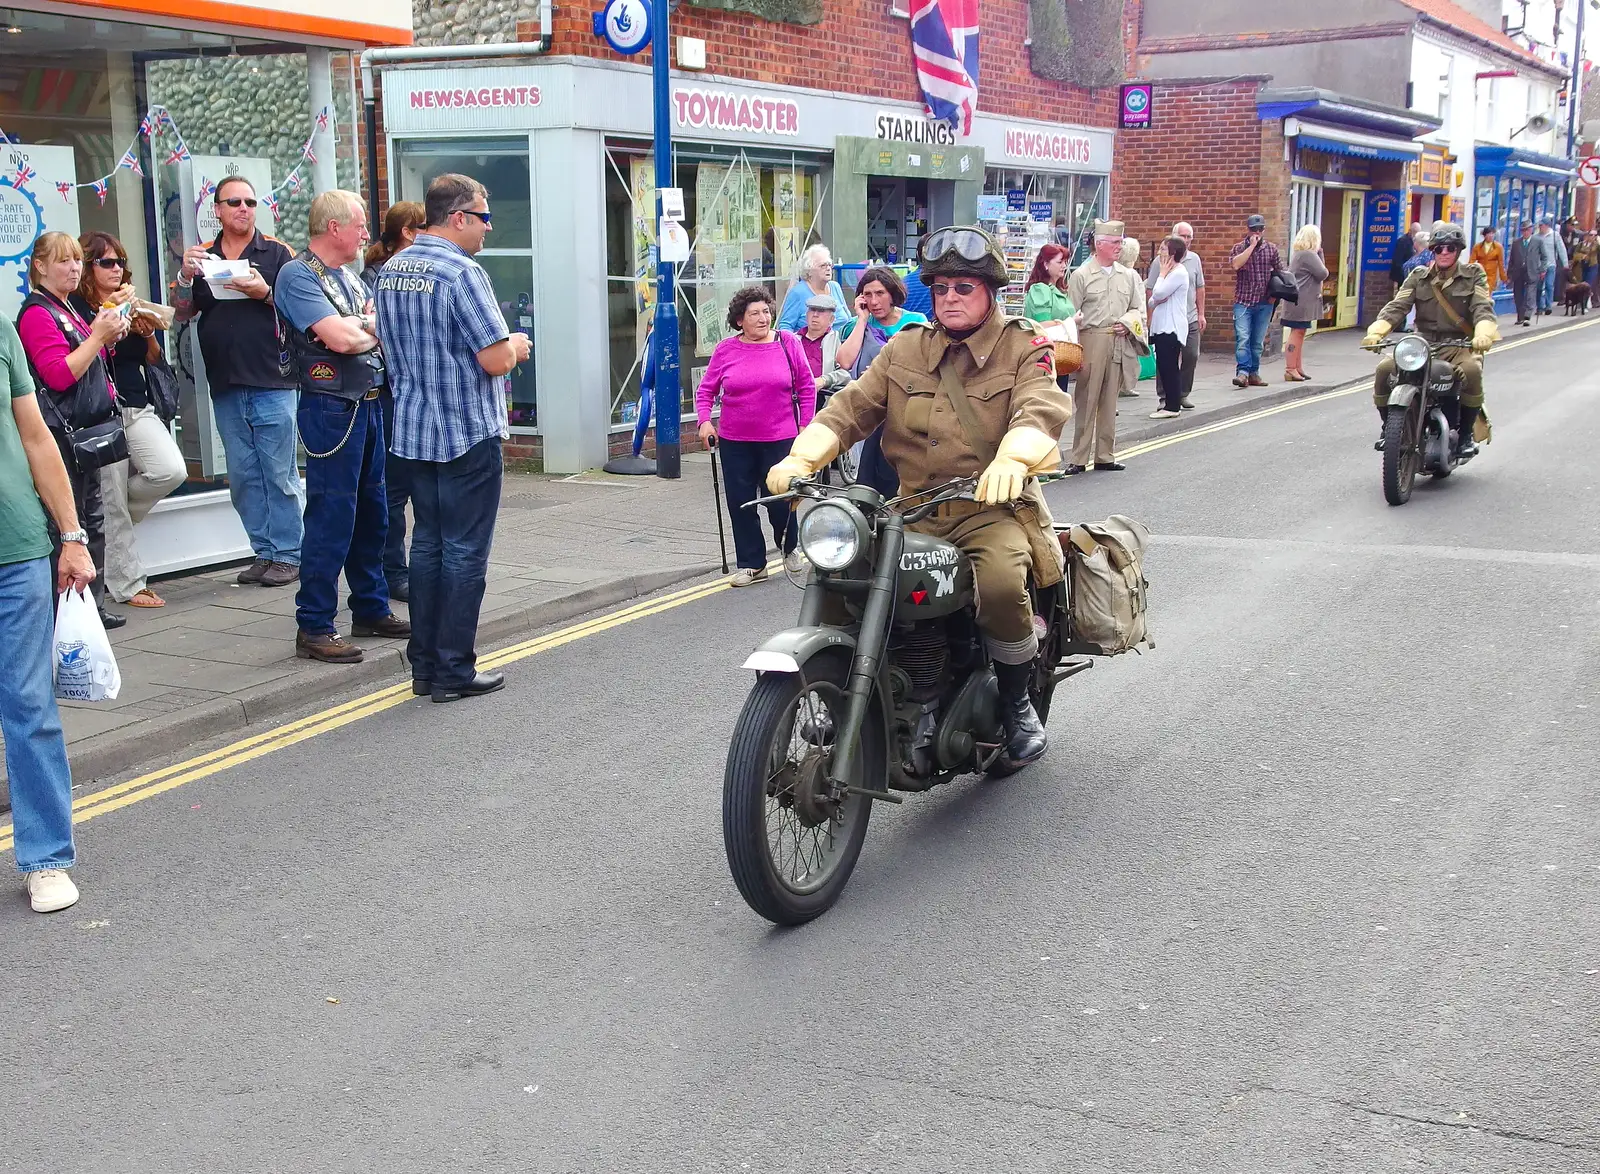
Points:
[[99, 445]]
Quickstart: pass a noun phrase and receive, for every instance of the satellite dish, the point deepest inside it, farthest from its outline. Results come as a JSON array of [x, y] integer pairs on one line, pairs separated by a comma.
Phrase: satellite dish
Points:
[[1591, 130], [1540, 123]]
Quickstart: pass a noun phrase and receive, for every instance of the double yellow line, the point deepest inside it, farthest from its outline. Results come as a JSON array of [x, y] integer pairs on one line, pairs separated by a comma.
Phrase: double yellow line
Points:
[[258, 745], [171, 777]]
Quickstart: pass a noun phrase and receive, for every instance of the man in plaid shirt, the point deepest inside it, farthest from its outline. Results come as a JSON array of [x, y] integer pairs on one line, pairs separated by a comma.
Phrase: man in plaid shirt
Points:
[[448, 352], [1253, 259]]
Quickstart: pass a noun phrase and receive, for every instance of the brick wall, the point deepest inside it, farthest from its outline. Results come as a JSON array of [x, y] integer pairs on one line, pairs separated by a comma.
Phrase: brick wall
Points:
[[1202, 162]]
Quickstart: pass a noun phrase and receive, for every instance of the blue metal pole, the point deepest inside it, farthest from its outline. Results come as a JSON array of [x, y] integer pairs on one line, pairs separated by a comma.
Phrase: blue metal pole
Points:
[[668, 388]]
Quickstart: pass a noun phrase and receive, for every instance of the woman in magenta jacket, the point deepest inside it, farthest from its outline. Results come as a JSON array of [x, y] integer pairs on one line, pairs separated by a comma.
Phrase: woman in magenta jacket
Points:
[[768, 394]]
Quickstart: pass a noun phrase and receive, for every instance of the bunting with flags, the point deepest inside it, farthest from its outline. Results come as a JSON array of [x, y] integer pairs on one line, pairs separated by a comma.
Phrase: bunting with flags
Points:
[[322, 118], [206, 191], [180, 154], [944, 45], [23, 175], [130, 160], [270, 202], [99, 187], [65, 189]]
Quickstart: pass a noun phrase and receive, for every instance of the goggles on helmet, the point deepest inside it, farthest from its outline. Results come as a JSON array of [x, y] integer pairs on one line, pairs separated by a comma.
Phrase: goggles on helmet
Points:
[[967, 243]]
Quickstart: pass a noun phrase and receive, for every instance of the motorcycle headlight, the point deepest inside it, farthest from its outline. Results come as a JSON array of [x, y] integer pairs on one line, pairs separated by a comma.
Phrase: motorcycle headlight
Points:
[[832, 535], [1411, 353]]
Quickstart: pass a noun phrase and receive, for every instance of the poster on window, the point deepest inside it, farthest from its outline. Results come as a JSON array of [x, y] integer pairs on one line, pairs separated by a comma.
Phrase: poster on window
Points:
[[642, 185], [206, 171], [37, 195]]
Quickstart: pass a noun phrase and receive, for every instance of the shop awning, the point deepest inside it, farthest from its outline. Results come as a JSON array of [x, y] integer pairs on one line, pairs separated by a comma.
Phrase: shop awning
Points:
[[1338, 140], [1541, 168]]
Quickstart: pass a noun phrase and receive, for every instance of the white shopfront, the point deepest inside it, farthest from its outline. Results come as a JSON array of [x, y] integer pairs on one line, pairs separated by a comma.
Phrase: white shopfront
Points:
[[563, 144]]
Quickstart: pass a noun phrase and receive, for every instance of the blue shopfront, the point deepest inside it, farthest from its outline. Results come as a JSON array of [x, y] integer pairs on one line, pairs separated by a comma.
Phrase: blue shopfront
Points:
[[1517, 187]]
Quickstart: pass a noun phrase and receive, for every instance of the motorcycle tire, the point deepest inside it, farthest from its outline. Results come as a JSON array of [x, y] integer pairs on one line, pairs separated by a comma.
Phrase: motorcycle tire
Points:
[[760, 823], [848, 464], [1402, 453]]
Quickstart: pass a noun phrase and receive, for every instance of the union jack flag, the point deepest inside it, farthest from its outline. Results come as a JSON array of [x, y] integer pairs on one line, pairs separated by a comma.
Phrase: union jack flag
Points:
[[270, 202], [146, 126], [322, 118], [180, 154], [293, 182], [65, 189], [99, 187], [944, 43], [164, 118], [23, 175], [130, 161], [307, 153], [207, 189]]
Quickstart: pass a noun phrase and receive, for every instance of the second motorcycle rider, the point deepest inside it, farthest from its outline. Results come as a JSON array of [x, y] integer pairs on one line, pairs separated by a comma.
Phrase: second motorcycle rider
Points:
[[971, 394]]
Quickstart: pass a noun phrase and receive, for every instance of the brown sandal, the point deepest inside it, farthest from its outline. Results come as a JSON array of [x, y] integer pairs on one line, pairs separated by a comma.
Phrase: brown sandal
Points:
[[146, 598]]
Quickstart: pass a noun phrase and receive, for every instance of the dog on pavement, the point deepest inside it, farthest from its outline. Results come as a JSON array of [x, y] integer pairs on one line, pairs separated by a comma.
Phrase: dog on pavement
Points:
[[1576, 299]]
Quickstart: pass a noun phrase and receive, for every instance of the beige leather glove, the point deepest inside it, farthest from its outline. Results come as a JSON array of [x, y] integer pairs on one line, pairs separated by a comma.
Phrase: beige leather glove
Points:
[[814, 447], [1485, 335], [1376, 333], [1023, 452]]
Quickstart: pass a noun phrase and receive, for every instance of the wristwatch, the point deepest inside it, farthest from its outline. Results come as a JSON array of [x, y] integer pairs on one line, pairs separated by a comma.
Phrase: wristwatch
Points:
[[79, 536]]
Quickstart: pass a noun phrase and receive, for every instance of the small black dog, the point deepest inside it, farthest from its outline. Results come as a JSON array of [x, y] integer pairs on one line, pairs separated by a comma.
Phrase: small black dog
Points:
[[1576, 299]]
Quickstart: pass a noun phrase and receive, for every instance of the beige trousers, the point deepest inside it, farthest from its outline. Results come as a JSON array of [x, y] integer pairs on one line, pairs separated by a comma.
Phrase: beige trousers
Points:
[[127, 496], [1094, 399]]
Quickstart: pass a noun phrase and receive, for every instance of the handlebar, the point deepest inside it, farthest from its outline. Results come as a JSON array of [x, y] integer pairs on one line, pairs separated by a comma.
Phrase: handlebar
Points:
[[1434, 346], [805, 487]]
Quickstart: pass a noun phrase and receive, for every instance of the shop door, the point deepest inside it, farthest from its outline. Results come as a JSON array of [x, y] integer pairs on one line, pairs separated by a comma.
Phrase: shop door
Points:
[[1350, 260]]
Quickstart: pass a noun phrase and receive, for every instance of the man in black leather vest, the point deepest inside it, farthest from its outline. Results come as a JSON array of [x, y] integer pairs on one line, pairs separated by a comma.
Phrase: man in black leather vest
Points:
[[339, 364]]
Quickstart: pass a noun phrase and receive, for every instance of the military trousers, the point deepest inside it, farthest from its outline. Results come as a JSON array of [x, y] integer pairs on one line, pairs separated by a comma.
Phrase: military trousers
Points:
[[1094, 398], [998, 544], [1468, 367]]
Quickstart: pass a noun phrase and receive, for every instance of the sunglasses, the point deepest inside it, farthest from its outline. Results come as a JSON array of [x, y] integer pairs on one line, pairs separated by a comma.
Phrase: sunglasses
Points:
[[963, 288], [486, 217], [1447, 248], [110, 263], [967, 243], [235, 201]]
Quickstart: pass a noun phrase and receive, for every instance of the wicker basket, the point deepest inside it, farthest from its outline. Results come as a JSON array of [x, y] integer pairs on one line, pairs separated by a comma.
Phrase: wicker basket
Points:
[[1069, 357]]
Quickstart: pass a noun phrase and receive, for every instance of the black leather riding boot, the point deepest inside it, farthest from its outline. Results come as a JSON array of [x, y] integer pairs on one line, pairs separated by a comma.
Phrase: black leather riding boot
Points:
[[1466, 446], [1026, 740]]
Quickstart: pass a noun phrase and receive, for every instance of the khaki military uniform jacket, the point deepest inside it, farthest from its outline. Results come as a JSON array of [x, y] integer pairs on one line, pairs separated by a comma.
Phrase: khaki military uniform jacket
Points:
[[1466, 291], [1007, 370]]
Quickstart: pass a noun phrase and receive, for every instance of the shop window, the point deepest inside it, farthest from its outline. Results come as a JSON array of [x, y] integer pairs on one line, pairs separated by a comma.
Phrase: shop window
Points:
[[1076, 199], [749, 216], [501, 165]]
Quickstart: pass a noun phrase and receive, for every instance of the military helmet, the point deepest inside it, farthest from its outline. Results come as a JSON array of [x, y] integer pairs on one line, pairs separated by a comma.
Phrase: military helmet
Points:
[[1446, 233], [962, 251]]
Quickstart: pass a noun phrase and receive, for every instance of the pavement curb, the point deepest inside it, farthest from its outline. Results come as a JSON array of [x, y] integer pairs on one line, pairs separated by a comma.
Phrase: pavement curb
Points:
[[1191, 421], [117, 751]]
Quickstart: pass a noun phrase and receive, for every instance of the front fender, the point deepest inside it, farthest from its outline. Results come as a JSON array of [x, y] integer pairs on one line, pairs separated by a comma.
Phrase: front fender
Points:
[[1401, 395], [789, 650]]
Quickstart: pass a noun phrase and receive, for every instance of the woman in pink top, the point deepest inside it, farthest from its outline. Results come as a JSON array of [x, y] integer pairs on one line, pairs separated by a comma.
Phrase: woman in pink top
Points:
[[73, 374], [768, 394]]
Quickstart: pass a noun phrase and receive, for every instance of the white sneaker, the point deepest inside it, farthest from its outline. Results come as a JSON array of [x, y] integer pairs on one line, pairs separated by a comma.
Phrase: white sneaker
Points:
[[795, 562], [50, 889], [1165, 414], [744, 577]]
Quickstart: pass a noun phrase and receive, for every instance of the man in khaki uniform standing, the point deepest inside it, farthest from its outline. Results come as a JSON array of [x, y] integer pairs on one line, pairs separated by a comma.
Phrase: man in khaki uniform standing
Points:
[[1110, 301], [1452, 300], [1004, 375]]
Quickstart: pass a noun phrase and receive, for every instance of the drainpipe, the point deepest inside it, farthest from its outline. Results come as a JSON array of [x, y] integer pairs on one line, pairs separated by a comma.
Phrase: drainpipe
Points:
[[374, 59]]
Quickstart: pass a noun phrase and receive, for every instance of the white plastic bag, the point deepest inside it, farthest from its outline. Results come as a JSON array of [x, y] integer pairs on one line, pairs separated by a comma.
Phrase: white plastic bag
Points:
[[85, 669]]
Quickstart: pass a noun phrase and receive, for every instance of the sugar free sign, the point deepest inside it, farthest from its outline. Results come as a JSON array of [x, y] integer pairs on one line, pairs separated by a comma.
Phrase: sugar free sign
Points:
[[718, 110]]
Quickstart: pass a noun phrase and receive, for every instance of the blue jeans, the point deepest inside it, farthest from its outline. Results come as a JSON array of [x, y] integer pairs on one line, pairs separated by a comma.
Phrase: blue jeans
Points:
[[745, 464], [455, 504], [397, 486], [1250, 335], [36, 749], [257, 429], [1547, 292], [347, 515]]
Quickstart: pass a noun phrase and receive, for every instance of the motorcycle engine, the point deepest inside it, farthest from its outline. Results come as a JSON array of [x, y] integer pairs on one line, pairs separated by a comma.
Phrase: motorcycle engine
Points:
[[923, 653]]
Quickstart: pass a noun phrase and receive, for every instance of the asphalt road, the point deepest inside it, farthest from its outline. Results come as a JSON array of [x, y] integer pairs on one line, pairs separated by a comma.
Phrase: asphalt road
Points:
[[1313, 886]]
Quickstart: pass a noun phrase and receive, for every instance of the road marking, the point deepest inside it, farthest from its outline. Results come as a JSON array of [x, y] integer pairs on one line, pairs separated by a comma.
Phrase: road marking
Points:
[[1344, 389], [245, 750], [256, 746]]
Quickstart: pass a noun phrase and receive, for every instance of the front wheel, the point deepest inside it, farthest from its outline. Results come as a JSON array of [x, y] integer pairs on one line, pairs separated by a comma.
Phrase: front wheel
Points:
[[791, 839], [1402, 452]]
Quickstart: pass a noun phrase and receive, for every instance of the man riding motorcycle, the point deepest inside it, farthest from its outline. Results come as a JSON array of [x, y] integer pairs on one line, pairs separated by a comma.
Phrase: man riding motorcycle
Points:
[[974, 362], [1447, 295]]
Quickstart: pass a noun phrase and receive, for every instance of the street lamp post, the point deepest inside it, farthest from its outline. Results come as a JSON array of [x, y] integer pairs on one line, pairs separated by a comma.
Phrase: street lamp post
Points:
[[1574, 96], [669, 388]]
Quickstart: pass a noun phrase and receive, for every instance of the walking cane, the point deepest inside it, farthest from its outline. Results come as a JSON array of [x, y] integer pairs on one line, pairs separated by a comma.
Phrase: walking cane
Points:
[[716, 491]]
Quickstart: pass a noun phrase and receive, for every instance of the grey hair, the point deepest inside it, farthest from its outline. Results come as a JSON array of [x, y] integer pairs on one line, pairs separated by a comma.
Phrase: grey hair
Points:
[[810, 257]]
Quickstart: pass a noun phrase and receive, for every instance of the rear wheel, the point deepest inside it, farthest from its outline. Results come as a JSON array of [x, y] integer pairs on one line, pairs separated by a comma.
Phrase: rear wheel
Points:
[[848, 463], [791, 839], [1402, 451]]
